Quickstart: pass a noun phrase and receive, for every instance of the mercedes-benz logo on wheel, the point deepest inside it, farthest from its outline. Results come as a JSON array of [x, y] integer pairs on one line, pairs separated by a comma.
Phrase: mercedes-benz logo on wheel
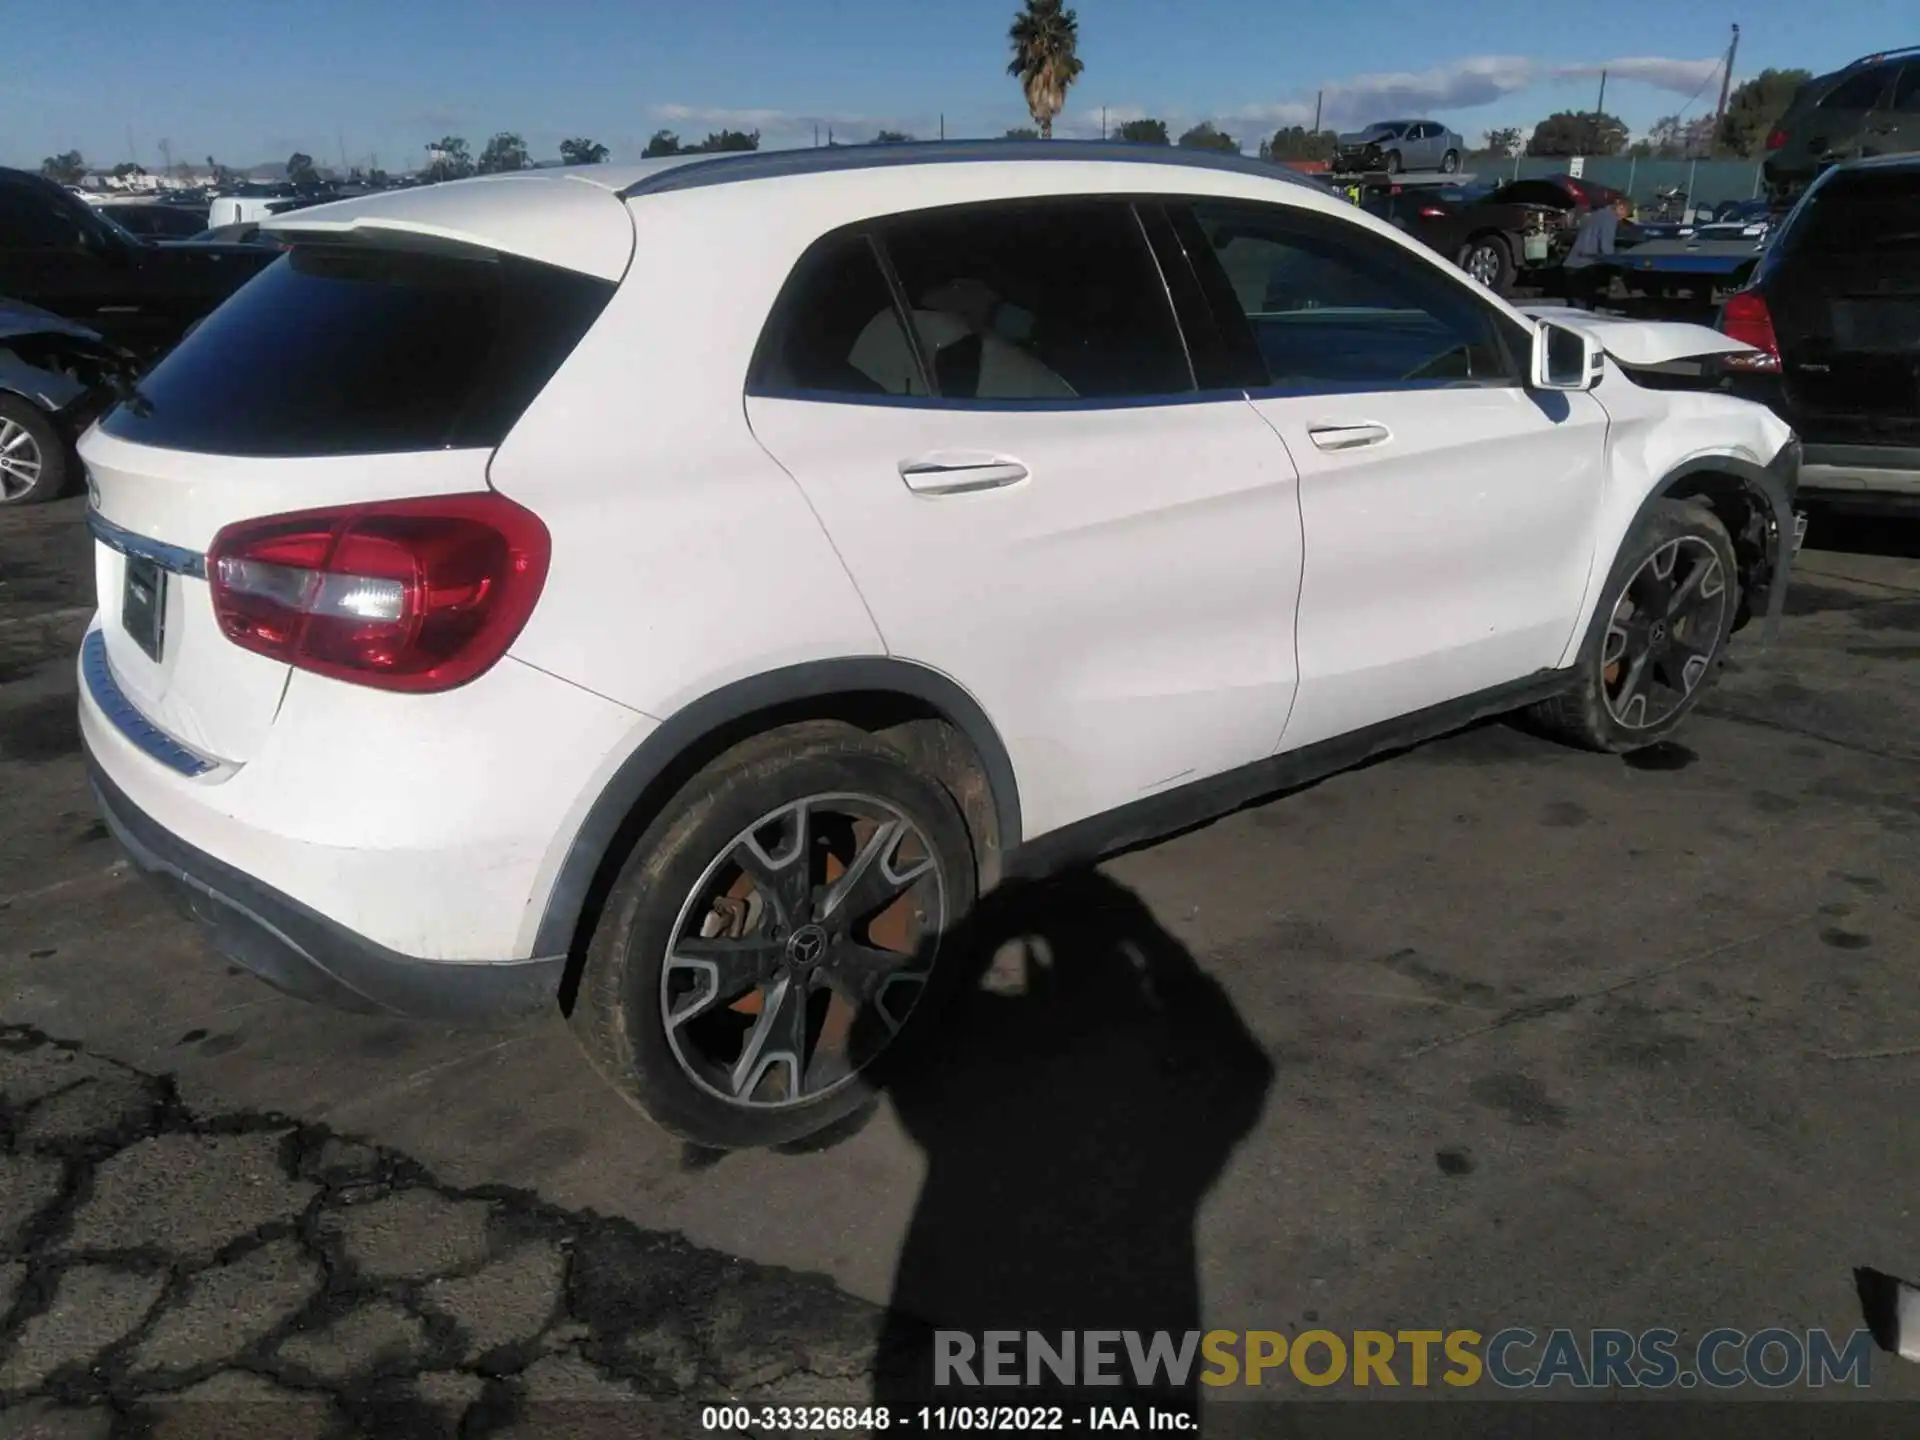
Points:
[[1657, 636], [808, 944]]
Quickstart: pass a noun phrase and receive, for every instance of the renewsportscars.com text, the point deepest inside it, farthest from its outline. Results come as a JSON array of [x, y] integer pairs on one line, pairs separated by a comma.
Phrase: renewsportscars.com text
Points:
[[1513, 1359]]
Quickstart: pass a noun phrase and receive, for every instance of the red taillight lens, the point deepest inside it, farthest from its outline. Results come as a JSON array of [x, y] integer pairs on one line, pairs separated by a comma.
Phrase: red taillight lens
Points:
[[413, 595], [1747, 319], [1776, 139]]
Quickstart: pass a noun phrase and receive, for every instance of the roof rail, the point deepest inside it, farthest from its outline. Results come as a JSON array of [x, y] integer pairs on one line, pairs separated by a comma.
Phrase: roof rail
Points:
[[1879, 55], [727, 168]]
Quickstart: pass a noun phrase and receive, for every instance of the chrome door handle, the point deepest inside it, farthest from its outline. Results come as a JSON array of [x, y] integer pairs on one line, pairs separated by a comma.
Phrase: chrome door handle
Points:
[[960, 474], [1348, 437]]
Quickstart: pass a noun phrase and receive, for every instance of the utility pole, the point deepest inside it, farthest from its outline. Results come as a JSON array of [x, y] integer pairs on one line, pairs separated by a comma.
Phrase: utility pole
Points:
[[1318, 96], [1103, 122], [816, 134], [1599, 109], [166, 157], [340, 136], [1726, 80], [943, 125]]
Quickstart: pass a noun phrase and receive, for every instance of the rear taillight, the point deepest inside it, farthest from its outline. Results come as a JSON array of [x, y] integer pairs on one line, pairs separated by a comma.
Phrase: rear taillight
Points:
[[1776, 139], [413, 595], [1746, 318]]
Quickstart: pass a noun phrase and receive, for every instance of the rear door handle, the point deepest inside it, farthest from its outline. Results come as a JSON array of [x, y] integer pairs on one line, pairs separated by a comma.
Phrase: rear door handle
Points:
[[1348, 437], [960, 473]]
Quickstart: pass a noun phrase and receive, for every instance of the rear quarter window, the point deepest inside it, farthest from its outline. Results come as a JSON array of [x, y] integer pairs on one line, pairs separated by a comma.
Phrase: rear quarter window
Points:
[[346, 350], [1858, 212], [1857, 92]]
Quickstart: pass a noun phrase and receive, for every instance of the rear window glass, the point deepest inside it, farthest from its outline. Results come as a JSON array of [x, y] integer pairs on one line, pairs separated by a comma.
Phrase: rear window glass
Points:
[[1859, 212], [1857, 92], [355, 351]]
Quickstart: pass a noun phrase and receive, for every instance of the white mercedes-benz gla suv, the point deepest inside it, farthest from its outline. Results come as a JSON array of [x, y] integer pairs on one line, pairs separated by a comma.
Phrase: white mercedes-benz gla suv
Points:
[[676, 593]]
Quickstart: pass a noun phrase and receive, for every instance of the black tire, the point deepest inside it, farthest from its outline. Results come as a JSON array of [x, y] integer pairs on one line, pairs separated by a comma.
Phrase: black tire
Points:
[[30, 430], [1390, 162], [1449, 162], [1501, 271], [621, 1011], [1586, 714]]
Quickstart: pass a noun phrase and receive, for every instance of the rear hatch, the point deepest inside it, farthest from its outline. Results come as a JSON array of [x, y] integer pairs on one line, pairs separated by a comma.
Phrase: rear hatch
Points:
[[346, 372], [1843, 287]]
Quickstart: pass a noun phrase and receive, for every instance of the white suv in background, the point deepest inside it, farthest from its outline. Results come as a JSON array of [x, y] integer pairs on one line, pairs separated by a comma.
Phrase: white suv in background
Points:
[[677, 592]]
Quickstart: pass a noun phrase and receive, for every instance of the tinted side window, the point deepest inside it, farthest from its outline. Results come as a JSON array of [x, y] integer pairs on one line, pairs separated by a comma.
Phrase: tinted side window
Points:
[[1038, 301], [30, 220], [1332, 305], [836, 329], [1906, 90], [1858, 92], [353, 351]]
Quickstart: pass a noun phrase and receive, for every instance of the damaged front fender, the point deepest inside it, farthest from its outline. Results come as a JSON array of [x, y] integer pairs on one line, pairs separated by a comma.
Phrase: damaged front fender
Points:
[[61, 366]]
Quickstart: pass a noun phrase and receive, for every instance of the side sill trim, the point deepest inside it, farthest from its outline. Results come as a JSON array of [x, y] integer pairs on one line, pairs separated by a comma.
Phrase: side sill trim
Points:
[[1157, 816]]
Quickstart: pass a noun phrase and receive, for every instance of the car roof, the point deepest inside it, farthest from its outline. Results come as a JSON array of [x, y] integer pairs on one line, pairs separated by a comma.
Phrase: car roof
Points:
[[560, 215], [1906, 160]]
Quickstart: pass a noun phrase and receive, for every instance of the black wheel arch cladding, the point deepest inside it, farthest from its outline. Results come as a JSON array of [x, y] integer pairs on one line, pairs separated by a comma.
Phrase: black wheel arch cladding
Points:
[[1771, 489], [658, 760]]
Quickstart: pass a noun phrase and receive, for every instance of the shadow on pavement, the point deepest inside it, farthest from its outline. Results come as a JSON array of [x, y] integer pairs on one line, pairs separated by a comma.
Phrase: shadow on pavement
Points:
[[1863, 531], [1074, 1112]]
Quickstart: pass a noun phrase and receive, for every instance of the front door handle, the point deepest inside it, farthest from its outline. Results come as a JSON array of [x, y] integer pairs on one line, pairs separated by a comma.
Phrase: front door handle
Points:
[[1348, 437], [960, 473]]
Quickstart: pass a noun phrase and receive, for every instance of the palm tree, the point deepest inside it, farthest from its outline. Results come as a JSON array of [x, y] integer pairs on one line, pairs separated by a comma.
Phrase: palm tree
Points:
[[1045, 36]]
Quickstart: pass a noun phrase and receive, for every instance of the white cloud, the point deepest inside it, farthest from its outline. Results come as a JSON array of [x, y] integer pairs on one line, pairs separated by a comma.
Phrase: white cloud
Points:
[[1682, 77]]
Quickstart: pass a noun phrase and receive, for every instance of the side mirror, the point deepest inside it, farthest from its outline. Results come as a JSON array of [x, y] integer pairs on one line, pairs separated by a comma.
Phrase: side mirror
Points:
[[1564, 359]]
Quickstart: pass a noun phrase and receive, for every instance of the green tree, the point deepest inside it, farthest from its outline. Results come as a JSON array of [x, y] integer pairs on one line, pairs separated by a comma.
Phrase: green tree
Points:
[[68, 168], [1568, 133], [582, 152], [724, 140], [1208, 136], [1146, 131], [449, 159], [664, 142], [1755, 107], [127, 168], [1023, 132], [1296, 142], [1502, 144], [1045, 36], [505, 151], [892, 137], [300, 168]]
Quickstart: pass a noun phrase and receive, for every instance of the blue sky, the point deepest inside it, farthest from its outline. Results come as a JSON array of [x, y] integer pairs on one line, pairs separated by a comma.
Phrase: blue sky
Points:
[[252, 82]]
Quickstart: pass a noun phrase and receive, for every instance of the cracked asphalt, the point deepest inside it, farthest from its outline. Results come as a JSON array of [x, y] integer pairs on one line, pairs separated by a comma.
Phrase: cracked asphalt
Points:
[[1487, 1033]]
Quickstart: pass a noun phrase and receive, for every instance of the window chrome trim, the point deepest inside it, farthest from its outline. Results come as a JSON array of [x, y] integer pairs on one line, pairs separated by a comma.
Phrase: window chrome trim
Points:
[[176, 559]]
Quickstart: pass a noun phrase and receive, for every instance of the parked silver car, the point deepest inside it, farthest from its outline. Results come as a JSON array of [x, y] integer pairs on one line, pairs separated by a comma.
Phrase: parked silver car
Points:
[[1396, 145]]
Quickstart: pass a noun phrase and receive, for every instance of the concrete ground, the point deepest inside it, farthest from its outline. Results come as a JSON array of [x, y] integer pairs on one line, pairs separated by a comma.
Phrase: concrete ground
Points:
[[1489, 1033]]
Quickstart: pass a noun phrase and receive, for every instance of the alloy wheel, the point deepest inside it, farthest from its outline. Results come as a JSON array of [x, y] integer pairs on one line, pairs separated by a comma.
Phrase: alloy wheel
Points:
[[20, 460], [1483, 264], [802, 949], [1662, 635]]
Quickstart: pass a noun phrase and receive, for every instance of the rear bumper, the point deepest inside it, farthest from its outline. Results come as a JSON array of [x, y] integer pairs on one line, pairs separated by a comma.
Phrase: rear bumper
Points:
[[1861, 470], [297, 950]]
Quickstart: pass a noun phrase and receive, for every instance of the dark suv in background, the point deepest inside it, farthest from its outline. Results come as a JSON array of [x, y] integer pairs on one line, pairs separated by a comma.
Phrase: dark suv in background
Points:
[[1871, 107], [1834, 313]]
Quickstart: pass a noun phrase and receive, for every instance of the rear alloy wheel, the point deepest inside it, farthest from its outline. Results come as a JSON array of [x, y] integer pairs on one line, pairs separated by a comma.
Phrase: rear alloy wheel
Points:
[[1659, 637], [1488, 260], [772, 937], [1392, 162], [1450, 162], [33, 457]]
